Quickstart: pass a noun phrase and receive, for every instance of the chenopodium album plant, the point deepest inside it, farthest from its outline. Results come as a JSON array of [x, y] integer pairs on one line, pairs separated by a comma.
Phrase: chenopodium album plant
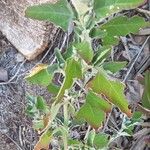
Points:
[[82, 66]]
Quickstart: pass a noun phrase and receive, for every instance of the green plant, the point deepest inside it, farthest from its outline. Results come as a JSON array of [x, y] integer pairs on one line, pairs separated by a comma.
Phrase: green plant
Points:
[[82, 66], [146, 94]]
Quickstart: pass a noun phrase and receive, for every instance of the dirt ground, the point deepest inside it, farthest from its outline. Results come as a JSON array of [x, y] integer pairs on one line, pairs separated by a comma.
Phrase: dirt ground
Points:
[[16, 131]]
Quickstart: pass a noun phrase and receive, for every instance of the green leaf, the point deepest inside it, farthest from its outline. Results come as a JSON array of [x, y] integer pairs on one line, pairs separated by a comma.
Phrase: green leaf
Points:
[[41, 104], [52, 68], [59, 13], [121, 26], [60, 58], [146, 93], [97, 33], [98, 102], [53, 89], [129, 130], [54, 111], [73, 70], [42, 74], [39, 75], [38, 124], [101, 55], [93, 116], [136, 115], [90, 138], [129, 124], [44, 140], [93, 110], [100, 141], [68, 53], [85, 51], [114, 66], [81, 6], [113, 90], [37, 108], [104, 8], [73, 142], [31, 109]]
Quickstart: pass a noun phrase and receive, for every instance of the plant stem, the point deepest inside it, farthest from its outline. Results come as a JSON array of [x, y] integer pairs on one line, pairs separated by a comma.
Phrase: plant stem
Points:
[[87, 133], [66, 118]]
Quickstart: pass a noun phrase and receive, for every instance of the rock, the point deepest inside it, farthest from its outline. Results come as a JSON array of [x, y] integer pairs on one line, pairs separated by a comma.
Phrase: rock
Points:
[[19, 57], [3, 75], [3, 42], [30, 37]]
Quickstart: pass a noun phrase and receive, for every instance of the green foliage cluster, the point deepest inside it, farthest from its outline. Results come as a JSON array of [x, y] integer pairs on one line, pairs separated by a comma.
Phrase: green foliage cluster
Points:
[[81, 65]]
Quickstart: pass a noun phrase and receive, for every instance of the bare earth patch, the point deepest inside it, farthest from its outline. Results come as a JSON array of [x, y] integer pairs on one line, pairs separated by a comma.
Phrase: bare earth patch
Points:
[[15, 128]]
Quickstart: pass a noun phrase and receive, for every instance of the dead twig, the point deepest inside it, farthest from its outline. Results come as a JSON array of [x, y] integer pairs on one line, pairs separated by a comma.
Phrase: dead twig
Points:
[[12, 141], [107, 120], [145, 125], [144, 65], [143, 11], [144, 110], [50, 48], [132, 65], [124, 42], [16, 74]]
